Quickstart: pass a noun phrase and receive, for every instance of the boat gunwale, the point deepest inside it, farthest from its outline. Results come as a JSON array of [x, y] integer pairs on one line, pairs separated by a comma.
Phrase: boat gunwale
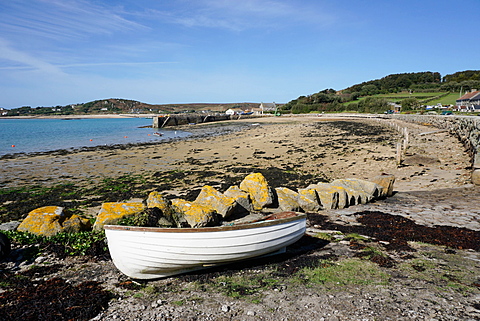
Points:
[[264, 222]]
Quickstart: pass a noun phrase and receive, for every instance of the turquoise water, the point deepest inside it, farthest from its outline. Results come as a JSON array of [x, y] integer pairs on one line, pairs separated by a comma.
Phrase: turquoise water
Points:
[[41, 135]]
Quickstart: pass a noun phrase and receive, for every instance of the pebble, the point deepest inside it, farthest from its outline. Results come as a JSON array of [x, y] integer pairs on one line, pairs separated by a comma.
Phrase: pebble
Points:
[[225, 308]]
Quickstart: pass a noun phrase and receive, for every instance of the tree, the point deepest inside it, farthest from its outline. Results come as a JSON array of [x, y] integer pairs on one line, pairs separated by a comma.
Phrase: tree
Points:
[[410, 104]]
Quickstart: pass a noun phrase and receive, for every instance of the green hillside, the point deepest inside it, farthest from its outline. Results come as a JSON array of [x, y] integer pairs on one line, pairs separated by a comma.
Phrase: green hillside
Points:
[[411, 90]]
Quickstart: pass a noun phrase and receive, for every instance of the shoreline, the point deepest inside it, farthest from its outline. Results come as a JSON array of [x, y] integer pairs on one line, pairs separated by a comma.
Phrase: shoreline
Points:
[[195, 133], [81, 116], [326, 147]]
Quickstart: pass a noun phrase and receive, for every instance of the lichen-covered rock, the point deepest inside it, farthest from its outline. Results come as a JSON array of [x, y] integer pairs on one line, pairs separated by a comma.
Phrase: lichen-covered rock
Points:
[[112, 212], [241, 197], [222, 204], [257, 186], [363, 191], [386, 182], [196, 215], [287, 199], [343, 199], [308, 200], [51, 220], [156, 200], [327, 195]]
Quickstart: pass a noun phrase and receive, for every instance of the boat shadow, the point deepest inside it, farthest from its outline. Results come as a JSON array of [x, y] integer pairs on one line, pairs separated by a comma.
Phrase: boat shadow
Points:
[[296, 256]]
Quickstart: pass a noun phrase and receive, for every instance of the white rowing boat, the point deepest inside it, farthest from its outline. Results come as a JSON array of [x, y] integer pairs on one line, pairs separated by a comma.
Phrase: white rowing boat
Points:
[[150, 252]]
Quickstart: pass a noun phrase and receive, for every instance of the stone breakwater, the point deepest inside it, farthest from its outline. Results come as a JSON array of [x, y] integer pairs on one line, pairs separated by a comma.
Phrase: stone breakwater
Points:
[[465, 128], [178, 120]]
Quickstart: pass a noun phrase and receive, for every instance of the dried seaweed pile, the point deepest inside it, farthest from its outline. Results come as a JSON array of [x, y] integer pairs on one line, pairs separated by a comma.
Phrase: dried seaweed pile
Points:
[[398, 230]]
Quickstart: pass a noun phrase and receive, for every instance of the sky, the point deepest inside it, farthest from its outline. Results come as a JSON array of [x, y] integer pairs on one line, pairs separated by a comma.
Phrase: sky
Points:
[[60, 52]]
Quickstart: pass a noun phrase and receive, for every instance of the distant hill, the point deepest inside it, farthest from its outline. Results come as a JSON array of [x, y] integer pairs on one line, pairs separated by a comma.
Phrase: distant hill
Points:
[[132, 106], [369, 96], [125, 106]]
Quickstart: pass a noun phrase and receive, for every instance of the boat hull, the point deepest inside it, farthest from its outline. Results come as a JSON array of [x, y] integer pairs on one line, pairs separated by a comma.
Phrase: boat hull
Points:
[[150, 253]]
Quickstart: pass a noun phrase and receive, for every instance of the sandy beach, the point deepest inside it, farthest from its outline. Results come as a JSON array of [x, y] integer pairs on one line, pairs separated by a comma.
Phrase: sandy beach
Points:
[[322, 148]]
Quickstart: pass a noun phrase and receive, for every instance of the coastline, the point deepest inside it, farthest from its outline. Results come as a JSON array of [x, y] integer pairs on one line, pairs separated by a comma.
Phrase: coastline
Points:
[[432, 190], [82, 116], [315, 146]]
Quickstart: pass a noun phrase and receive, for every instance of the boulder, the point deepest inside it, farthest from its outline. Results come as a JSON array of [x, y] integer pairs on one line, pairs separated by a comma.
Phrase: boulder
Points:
[[241, 197], [222, 204], [476, 177], [9, 226], [196, 215], [308, 200], [386, 182], [343, 199], [287, 199], [51, 220], [256, 185], [328, 195], [156, 199], [363, 191], [112, 212]]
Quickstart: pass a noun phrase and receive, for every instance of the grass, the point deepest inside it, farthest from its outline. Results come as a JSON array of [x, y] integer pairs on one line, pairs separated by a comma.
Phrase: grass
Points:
[[429, 98], [244, 286], [447, 100], [73, 244], [350, 271]]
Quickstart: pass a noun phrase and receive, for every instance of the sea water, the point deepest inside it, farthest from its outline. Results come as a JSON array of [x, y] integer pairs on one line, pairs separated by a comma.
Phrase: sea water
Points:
[[42, 135]]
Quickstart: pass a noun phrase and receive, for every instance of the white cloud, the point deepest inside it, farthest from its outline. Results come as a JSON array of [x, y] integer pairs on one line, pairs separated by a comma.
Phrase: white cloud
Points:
[[243, 15], [23, 60], [62, 19]]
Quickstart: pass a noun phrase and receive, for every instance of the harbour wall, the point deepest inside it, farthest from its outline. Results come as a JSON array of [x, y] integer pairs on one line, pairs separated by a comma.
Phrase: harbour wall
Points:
[[185, 119]]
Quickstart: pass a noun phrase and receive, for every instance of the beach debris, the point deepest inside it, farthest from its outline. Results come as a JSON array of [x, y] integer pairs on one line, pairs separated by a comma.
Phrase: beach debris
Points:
[[51, 220], [112, 212], [257, 186]]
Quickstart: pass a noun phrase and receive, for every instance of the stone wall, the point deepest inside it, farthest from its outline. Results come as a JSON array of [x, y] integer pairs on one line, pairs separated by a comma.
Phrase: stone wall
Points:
[[465, 128]]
